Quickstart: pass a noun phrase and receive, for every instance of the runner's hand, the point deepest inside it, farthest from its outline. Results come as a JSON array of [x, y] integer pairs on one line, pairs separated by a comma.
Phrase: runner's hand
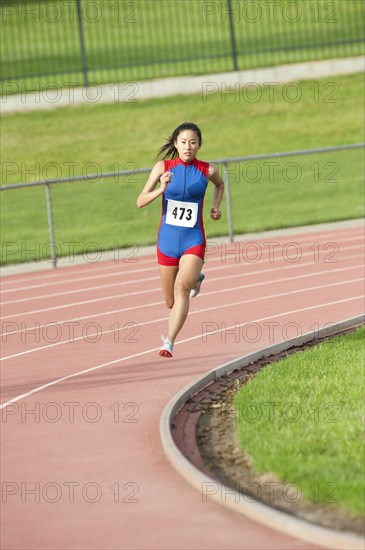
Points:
[[215, 214], [165, 180]]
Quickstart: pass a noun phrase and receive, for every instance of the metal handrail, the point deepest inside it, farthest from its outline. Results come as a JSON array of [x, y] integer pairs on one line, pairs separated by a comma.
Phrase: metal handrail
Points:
[[225, 162]]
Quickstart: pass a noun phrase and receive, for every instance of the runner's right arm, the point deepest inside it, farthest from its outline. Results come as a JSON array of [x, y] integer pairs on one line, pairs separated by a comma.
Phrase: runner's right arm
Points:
[[149, 193]]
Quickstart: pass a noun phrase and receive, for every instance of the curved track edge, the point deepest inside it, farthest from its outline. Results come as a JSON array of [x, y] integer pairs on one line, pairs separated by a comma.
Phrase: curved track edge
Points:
[[257, 511]]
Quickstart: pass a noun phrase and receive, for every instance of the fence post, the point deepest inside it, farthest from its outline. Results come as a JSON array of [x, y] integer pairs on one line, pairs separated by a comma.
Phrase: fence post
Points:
[[50, 225], [82, 43], [227, 192], [233, 37]]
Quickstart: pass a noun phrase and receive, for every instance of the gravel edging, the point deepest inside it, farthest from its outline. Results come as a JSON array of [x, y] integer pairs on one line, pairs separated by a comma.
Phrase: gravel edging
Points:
[[227, 463], [193, 469]]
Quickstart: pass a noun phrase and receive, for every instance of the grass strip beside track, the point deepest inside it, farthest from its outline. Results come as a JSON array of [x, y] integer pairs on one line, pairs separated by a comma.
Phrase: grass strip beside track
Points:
[[101, 215], [301, 419]]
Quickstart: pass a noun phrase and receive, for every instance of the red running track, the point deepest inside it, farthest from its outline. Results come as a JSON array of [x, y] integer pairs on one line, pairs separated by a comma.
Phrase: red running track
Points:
[[82, 464]]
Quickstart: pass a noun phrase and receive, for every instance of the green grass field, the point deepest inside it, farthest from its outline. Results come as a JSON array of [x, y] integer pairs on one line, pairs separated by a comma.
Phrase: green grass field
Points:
[[296, 191], [301, 419], [146, 39]]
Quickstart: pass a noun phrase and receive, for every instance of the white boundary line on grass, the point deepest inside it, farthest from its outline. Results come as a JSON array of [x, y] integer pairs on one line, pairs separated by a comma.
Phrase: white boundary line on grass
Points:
[[261, 513]]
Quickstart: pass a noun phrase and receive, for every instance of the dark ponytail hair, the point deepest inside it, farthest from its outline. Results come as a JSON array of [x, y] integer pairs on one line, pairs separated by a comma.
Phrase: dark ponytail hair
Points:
[[169, 150]]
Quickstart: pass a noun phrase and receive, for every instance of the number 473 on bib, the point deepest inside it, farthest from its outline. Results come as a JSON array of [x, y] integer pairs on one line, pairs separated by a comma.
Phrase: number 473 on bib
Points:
[[183, 214]]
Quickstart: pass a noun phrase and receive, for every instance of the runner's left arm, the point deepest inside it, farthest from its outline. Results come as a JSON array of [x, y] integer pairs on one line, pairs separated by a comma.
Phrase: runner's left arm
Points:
[[214, 177]]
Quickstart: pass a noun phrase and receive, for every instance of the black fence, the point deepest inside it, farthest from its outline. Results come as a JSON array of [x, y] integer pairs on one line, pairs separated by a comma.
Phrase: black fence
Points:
[[78, 42]]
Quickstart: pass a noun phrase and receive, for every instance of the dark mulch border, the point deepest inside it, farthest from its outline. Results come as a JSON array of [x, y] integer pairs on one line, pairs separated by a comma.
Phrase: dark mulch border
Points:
[[204, 431]]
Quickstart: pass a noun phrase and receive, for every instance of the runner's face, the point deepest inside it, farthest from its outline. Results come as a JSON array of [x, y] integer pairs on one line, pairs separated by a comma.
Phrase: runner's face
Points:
[[187, 145]]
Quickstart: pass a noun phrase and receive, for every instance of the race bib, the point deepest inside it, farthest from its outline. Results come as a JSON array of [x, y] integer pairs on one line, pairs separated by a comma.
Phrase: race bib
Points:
[[181, 213]]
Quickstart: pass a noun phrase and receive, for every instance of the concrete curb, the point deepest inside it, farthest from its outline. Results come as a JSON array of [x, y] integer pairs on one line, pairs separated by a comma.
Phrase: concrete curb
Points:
[[208, 84], [266, 515], [124, 254]]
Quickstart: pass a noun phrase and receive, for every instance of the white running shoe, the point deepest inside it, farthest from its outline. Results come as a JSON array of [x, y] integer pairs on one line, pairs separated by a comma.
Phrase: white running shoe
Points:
[[195, 291], [166, 350]]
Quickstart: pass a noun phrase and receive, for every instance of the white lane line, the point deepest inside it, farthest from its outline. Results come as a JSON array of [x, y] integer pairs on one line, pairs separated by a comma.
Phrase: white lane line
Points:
[[67, 322], [151, 304], [345, 235], [194, 312], [122, 359], [72, 304], [224, 278], [120, 273], [79, 290], [58, 275]]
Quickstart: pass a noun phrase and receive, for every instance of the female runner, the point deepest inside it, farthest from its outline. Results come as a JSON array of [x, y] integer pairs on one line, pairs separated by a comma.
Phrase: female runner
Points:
[[181, 240]]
